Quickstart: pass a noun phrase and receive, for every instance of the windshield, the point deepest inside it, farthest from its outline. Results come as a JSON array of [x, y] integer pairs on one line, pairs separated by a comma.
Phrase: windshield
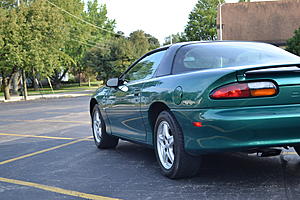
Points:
[[230, 54]]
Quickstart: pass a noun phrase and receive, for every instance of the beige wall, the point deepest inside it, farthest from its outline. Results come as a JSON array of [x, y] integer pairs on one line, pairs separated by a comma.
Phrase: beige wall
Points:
[[269, 21]]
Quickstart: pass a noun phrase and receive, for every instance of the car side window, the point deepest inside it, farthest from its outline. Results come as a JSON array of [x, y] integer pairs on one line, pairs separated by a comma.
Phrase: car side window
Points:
[[145, 68]]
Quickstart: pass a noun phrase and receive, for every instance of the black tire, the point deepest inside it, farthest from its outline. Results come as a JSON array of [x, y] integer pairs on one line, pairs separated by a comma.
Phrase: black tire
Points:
[[101, 138], [183, 165]]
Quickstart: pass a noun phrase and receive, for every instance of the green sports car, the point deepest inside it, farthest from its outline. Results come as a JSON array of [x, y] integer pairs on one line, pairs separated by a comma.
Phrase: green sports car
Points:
[[195, 98]]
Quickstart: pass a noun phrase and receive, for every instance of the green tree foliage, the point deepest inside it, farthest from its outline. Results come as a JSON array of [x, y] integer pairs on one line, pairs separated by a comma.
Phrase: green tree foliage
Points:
[[153, 42], [140, 42], [293, 44], [202, 21], [43, 36], [178, 37], [76, 35], [110, 60], [97, 14], [10, 50], [244, 0], [32, 36], [118, 53], [48, 38]]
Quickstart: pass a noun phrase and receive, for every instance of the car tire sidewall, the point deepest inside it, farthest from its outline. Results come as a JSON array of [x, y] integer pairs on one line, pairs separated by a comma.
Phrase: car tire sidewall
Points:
[[96, 109], [166, 116]]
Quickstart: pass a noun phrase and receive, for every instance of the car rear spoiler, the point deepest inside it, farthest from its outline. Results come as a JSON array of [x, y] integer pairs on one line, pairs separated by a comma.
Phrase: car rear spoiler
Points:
[[242, 74]]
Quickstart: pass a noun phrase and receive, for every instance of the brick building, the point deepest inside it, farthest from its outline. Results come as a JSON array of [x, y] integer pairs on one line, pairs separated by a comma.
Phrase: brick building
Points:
[[268, 21]]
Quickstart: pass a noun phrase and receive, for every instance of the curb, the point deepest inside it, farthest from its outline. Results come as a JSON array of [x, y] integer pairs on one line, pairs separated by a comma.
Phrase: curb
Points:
[[32, 98]]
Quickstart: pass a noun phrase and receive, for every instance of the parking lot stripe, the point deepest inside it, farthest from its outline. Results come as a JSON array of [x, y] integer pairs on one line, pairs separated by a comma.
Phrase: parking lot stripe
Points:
[[56, 189], [37, 136], [42, 151], [43, 120]]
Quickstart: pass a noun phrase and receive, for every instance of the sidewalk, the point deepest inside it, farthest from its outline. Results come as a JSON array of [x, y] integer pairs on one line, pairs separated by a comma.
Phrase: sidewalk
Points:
[[49, 96]]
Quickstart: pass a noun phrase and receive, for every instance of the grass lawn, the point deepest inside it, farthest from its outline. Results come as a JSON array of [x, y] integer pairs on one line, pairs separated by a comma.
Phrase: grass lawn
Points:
[[65, 88]]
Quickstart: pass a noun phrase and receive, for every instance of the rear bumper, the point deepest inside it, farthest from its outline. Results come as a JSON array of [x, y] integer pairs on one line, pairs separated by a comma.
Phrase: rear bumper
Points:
[[239, 128]]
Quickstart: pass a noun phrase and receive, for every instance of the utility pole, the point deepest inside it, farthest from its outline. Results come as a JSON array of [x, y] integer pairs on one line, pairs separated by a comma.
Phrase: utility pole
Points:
[[24, 86], [221, 23]]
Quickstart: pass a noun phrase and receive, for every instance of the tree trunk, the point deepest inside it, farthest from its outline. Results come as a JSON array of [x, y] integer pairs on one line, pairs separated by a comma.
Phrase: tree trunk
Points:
[[57, 84], [35, 84], [15, 83], [58, 77], [80, 77], [6, 86]]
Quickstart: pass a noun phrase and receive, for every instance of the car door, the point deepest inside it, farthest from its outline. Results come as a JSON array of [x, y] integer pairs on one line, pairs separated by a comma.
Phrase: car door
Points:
[[124, 112]]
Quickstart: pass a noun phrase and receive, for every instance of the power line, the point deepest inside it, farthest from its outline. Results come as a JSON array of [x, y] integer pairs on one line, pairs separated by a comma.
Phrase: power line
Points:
[[93, 25]]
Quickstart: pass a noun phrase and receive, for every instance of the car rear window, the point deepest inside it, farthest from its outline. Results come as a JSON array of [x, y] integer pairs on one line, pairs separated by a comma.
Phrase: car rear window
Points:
[[229, 54]]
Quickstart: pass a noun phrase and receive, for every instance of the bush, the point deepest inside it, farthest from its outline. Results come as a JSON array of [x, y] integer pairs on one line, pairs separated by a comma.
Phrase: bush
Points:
[[293, 44]]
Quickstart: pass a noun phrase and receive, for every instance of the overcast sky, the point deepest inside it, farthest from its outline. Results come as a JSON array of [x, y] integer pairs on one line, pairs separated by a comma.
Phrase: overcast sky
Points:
[[159, 18]]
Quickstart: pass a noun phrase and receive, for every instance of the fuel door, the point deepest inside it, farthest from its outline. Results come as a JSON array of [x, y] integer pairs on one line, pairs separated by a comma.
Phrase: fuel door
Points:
[[177, 95]]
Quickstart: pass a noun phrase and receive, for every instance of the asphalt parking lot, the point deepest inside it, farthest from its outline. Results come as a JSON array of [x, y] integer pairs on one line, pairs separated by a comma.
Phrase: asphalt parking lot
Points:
[[46, 152]]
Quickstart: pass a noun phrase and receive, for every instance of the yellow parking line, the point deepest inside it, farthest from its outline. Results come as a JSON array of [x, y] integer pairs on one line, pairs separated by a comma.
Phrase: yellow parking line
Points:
[[37, 136], [55, 189], [44, 120], [42, 151]]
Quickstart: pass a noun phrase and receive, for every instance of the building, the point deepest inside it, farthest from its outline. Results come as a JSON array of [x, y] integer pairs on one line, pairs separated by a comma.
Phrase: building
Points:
[[267, 21]]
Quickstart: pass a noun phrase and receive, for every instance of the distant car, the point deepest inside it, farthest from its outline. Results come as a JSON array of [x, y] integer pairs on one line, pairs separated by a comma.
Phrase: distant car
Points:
[[196, 98]]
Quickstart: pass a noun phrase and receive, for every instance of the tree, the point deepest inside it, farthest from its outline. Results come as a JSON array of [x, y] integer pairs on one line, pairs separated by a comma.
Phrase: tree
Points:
[[31, 37], [112, 59], [178, 37], [82, 36], [97, 14], [140, 43], [43, 33], [77, 33], [153, 42], [202, 21], [293, 44], [10, 59], [244, 0]]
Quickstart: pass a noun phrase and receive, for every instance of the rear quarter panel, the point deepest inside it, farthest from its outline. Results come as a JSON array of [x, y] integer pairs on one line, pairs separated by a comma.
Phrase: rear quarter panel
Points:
[[195, 86]]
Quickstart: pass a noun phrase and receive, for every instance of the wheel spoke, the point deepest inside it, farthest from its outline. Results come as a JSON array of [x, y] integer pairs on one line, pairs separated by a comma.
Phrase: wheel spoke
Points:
[[170, 155], [162, 145], [165, 143], [165, 157], [171, 141], [166, 130]]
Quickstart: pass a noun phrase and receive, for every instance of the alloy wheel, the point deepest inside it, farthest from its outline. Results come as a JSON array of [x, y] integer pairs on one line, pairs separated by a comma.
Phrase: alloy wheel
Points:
[[165, 145], [97, 126]]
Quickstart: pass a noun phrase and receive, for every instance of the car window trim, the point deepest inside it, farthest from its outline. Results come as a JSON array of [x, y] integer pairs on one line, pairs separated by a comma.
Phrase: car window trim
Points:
[[141, 58]]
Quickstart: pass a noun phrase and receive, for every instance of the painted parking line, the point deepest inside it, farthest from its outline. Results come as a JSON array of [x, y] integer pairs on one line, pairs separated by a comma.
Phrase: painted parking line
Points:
[[41, 151], [55, 189], [37, 136], [44, 120]]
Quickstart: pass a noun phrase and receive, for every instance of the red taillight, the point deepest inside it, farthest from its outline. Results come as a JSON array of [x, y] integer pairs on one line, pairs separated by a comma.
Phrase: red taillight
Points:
[[197, 124], [245, 90]]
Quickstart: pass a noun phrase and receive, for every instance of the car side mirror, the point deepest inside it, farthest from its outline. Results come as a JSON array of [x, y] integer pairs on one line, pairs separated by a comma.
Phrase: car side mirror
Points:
[[112, 82]]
